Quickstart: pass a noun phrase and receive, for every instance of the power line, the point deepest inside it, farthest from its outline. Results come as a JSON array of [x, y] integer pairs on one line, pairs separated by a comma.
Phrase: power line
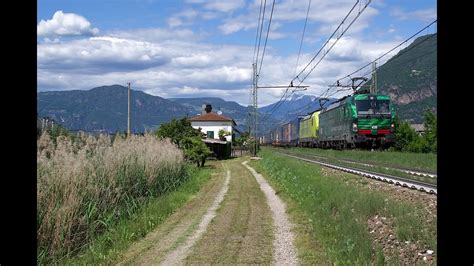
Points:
[[302, 37], [266, 39], [261, 28], [258, 28], [334, 43], [402, 52], [320, 50], [400, 44]]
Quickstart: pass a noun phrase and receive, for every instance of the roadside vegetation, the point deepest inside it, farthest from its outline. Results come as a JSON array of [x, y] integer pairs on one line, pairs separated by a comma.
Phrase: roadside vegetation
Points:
[[109, 247], [408, 140], [340, 213], [86, 185]]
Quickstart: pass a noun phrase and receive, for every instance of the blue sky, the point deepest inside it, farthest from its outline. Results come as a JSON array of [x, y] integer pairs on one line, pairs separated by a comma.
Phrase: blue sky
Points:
[[195, 48]]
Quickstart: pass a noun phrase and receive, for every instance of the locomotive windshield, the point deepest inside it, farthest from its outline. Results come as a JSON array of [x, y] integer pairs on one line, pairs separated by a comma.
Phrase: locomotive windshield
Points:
[[371, 107]]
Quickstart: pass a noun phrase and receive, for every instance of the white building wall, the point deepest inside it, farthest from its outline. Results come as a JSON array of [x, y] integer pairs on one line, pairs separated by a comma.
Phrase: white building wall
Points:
[[214, 126]]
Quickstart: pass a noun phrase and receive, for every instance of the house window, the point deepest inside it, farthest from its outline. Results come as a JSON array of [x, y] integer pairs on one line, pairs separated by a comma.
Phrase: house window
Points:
[[210, 134]]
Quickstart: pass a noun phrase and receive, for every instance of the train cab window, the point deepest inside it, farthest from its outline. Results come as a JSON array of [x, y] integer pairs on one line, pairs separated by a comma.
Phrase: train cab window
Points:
[[370, 107]]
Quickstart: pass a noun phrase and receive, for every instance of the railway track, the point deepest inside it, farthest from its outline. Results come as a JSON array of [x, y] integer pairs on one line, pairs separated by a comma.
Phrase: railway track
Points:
[[399, 181], [407, 171]]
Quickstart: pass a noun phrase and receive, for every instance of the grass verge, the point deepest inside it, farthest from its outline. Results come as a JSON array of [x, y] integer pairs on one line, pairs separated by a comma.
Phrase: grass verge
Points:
[[339, 213], [406, 160], [117, 239]]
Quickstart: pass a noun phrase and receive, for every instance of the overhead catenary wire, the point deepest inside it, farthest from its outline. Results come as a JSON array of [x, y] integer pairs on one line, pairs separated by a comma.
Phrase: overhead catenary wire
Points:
[[258, 29], [302, 37], [402, 52], [326, 93], [266, 39], [361, 10], [261, 28], [386, 53]]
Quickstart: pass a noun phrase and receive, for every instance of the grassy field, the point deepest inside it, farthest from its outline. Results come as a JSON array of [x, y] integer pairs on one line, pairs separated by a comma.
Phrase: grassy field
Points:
[[85, 186], [339, 212], [406, 160]]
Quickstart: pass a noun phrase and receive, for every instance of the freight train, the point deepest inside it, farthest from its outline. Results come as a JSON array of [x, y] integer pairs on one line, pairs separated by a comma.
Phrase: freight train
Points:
[[359, 120]]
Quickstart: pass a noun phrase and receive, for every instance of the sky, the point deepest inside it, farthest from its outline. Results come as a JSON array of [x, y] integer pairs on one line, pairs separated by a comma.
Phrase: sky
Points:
[[199, 48]]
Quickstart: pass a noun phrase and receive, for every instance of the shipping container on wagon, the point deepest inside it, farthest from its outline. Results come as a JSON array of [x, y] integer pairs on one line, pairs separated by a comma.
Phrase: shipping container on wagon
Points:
[[278, 136], [294, 131], [286, 134]]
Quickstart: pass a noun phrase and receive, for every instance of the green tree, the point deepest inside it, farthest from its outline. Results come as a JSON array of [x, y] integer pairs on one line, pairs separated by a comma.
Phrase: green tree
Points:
[[223, 133], [242, 139], [406, 138], [195, 150], [431, 133], [177, 130]]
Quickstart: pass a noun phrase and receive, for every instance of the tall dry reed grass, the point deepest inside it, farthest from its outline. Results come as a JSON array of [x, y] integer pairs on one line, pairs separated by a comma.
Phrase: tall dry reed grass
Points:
[[86, 185]]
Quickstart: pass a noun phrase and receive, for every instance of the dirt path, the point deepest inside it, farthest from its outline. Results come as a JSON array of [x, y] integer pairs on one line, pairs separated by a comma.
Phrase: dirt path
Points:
[[242, 231], [235, 219], [285, 251]]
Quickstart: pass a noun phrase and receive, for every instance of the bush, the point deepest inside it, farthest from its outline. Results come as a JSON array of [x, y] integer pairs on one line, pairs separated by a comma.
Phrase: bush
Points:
[[187, 138], [223, 133], [195, 150], [409, 141]]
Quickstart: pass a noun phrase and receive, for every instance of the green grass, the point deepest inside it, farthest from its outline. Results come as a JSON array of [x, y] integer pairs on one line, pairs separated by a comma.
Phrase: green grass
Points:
[[339, 211], [374, 168], [106, 248], [406, 160]]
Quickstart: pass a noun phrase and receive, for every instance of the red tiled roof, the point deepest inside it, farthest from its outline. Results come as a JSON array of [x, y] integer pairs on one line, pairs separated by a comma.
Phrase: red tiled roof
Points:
[[211, 117]]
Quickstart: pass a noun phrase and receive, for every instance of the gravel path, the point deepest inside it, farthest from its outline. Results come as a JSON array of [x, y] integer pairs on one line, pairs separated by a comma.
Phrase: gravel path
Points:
[[284, 250], [179, 254]]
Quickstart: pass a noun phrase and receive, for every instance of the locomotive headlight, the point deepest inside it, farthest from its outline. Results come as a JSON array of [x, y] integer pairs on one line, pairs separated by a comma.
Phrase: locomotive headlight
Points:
[[354, 127], [392, 127]]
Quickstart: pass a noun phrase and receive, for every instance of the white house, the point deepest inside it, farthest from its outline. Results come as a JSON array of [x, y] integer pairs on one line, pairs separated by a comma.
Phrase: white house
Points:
[[210, 124]]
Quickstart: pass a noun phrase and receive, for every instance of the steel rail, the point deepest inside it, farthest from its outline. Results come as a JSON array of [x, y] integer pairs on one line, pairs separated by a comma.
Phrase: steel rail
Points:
[[399, 181]]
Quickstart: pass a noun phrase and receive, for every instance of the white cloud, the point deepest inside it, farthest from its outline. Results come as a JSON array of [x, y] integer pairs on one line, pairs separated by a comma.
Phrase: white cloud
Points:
[[219, 5], [224, 6], [177, 63], [424, 15], [157, 34], [329, 14], [65, 24], [185, 17], [175, 22]]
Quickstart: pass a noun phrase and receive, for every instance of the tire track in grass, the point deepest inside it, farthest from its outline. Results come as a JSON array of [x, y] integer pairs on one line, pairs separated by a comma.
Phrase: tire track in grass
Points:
[[176, 228], [284, 249], [179, 254]]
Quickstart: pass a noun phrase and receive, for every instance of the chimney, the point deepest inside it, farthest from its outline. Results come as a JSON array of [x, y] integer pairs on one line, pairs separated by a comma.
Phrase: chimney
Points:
[[208, 108], [203, 110], [219, 112]]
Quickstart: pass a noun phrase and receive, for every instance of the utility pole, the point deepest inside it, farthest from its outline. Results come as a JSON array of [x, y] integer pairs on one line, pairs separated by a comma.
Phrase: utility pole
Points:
[[128, 120], [254, 103]]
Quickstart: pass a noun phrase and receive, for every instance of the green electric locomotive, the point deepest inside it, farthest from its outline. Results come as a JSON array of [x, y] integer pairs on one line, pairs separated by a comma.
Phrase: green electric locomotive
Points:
[[360, 120]]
